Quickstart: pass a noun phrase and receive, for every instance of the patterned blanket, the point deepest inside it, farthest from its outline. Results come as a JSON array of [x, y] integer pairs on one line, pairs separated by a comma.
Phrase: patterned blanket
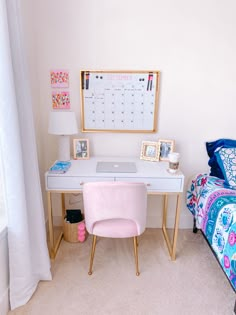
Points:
[[213, 205]]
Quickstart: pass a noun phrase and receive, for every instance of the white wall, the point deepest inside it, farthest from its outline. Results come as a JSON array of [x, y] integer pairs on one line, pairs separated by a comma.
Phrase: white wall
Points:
[[192, 43]]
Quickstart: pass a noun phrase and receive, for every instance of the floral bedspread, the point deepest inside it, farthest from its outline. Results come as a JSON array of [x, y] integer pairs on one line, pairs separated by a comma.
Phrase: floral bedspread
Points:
[[214, 207]]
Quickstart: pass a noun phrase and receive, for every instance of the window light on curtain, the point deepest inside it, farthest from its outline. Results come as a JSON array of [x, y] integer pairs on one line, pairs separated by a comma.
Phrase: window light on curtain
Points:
[[28, 254], [3, 215]]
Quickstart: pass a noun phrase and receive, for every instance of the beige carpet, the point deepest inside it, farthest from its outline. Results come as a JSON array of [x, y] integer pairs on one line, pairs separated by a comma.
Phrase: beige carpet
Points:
[[193, 284]]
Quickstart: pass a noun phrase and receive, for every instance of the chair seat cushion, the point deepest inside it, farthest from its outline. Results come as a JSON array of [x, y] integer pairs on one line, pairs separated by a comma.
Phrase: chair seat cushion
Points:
[[116, 228]]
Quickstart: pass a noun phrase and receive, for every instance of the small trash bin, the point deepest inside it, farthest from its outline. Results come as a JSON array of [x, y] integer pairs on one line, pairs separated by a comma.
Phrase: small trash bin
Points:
[[74, 230]]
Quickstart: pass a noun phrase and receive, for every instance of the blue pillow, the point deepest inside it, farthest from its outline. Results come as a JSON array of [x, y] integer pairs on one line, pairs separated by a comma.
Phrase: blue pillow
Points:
[[215, 169], [226, 158]]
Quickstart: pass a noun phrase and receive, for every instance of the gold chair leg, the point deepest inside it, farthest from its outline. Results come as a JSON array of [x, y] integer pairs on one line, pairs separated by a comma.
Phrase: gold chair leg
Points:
[[136, 255], [92, 254]]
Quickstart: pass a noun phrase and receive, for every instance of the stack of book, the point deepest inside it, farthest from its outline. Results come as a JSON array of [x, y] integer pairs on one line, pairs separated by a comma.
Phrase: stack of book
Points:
[[60, 167]]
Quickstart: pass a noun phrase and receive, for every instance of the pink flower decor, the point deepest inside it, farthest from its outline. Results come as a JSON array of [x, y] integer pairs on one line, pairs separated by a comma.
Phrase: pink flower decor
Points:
[[81, 226], [59, 78], [60, 100], [81, 238], [226, 262], [81, 232], [232, 238]]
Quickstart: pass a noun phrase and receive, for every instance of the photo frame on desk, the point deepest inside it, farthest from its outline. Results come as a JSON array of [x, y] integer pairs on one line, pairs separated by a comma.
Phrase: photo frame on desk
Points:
[[81, 149], [119, 101], [150, 151], [166, 147]]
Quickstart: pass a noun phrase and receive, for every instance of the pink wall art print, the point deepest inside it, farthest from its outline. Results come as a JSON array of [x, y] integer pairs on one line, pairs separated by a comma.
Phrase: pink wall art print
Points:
[[60, 100], [59, 78]]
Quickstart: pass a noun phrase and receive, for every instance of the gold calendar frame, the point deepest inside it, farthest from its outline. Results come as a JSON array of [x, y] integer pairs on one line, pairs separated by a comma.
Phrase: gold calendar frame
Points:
[[119, 101]]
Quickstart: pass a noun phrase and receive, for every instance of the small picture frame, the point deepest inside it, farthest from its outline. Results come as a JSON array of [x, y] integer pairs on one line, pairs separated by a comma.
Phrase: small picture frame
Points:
[[59, 78], [150, 151], [60, 100], [166, 147], [81, 149]]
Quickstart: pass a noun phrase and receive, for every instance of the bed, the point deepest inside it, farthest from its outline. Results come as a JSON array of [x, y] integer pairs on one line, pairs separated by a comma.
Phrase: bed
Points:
[[211, 198], [214, 210]]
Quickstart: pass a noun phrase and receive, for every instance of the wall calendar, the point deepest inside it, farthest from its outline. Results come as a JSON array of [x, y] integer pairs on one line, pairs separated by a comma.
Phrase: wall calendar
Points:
[[119, 101]]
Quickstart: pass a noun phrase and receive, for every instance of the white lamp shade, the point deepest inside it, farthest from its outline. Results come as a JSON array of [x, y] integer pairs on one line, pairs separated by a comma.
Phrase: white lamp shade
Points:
[[62, 123]]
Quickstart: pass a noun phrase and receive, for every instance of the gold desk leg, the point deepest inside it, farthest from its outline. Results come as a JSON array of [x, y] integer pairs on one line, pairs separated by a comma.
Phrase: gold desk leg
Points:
[[50, 227], [171, 247], [53, 247], [63, 206], [176, 226], [165, 206]]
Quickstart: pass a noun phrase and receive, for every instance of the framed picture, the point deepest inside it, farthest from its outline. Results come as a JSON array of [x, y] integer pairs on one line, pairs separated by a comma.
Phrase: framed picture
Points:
[[166, 146], [81, 149], [150, 151], [60, 100], [59, 78], [110, 87]]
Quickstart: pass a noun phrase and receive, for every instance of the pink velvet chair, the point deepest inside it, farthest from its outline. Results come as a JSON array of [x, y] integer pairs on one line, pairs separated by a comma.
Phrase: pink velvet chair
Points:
[[115, 210]]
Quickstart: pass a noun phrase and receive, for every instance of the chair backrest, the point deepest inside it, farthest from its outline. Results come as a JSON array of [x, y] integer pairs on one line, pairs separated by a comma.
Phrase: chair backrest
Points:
[[115, 200]]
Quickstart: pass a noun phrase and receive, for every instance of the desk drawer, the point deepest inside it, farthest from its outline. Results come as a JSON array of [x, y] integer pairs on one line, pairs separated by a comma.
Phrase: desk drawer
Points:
[[157, 185], [72, 182]]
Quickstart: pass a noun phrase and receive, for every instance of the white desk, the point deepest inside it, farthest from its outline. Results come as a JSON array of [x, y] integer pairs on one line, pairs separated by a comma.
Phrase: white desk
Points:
[[154, 174]]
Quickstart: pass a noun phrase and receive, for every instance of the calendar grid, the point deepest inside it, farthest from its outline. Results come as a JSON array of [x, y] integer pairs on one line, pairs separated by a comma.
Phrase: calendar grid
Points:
[[119, 101]]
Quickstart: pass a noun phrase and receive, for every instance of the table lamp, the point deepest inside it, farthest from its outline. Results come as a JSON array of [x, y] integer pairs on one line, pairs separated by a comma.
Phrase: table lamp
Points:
[[63, 124]]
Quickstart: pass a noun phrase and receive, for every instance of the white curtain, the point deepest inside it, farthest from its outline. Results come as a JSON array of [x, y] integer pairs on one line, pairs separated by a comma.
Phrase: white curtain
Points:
[[28, 255]]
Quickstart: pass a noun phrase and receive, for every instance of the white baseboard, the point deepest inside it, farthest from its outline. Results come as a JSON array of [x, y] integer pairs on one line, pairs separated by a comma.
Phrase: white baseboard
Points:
[[5, 303]]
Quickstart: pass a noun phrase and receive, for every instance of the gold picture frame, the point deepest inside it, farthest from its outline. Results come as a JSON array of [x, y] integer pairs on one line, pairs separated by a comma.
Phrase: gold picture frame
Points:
[[81, 149], [166, 147], [107, 98], [150, 151]]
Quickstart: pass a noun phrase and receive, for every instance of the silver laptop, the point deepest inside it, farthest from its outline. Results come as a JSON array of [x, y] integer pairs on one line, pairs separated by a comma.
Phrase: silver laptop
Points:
[[116, 167]]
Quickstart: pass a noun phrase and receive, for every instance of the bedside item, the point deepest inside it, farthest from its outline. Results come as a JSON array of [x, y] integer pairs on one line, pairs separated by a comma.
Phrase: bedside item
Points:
[[173, 162], [63, 124]]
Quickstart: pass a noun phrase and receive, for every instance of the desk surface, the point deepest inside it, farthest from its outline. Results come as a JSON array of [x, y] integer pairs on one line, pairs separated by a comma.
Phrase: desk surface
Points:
[[154, 174]]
